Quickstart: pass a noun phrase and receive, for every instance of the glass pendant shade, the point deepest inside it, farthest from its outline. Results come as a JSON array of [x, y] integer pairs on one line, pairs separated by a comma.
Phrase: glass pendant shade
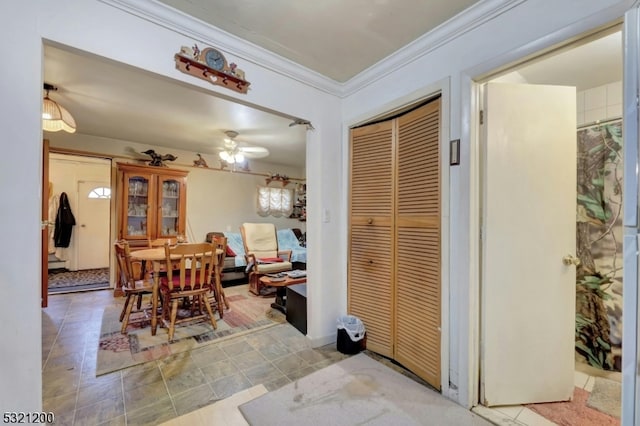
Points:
[[231, 158], [55, 117]]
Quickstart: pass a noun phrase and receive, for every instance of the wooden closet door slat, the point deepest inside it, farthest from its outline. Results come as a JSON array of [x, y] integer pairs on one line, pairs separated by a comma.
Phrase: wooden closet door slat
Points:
[[417, 234], [370, 289]]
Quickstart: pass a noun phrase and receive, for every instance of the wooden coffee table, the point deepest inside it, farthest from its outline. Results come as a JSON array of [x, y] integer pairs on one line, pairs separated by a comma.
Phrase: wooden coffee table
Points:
[[281, 290]]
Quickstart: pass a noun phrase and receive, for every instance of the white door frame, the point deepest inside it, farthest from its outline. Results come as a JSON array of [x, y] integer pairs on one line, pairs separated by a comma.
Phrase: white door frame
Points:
[[630, 312], [470, 79]]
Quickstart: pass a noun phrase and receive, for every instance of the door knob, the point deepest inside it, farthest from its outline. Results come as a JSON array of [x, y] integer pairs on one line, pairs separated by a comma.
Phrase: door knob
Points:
[[570, 260]]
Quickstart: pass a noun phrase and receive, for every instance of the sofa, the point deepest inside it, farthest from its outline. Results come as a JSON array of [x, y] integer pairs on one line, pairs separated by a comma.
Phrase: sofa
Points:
[[235, 264]]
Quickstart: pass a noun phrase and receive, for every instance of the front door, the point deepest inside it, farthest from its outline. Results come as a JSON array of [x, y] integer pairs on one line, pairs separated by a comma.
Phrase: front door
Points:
[[93, 225], [528, 227]]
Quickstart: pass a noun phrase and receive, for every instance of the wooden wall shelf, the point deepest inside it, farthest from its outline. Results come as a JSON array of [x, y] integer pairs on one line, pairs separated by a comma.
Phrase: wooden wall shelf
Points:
[[284, 181], [202, 71]]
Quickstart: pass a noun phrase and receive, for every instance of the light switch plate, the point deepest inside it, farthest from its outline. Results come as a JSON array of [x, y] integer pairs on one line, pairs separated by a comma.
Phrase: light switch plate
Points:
[[326, 216]]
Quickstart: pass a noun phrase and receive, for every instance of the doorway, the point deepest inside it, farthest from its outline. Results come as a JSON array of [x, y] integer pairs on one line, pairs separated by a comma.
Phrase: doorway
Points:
[[83, 261], [593, 338]]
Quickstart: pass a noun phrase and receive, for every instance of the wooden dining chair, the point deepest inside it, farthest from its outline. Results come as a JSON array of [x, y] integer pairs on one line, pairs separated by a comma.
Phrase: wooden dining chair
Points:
[[192, 279], [220, 300], [159, 243], [132, 282]]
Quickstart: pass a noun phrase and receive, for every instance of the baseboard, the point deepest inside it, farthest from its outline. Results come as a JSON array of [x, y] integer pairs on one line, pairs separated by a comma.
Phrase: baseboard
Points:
[[322, 341], [61, 264]]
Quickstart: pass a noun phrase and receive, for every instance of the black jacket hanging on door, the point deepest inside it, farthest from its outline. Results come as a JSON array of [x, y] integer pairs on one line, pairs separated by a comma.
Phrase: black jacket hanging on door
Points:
[[64, 223]]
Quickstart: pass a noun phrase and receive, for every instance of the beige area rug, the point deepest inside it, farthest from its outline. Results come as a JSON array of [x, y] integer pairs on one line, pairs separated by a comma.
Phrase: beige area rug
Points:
[[117, 351], [356, 391], [606, 396]]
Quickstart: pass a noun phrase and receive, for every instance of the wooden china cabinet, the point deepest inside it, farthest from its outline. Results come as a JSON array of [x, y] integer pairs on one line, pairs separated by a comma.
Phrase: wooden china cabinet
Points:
[[152, 204]]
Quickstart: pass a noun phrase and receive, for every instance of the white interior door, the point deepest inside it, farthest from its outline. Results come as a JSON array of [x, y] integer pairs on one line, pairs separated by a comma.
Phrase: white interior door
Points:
[[529, 225], [92, 226]]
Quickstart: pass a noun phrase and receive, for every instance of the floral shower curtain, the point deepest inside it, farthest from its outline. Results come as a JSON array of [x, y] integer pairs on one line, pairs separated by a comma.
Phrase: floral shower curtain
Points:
[[599, 245]]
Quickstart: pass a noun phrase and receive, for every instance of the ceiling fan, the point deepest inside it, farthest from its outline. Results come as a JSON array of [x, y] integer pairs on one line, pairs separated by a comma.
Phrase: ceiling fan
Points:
[[233, 153]]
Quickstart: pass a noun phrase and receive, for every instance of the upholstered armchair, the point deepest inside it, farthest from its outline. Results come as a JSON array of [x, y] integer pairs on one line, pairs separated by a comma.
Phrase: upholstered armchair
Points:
[[261, 252]]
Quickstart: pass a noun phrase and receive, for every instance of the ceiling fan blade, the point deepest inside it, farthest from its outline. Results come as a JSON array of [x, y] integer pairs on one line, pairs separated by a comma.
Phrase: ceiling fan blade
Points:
[[254, 149], [254, 152]]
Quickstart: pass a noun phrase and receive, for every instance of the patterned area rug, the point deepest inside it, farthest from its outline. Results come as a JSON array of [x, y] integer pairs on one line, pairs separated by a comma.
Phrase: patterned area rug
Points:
[[574, 412], [89, 279], [117, 351]]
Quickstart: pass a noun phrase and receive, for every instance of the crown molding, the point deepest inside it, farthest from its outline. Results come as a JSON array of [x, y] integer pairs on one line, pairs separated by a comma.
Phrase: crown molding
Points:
[[202, 32], [469, 19], [189, 26]]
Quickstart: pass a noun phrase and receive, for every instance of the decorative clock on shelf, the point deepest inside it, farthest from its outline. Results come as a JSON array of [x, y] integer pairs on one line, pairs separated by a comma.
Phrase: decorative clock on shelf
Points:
[[211, 65], [214, 59]]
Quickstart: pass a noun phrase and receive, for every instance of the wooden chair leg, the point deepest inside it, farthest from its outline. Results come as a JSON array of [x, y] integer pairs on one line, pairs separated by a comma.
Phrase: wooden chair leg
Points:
[[124, 307], [125, 321], [210, 311], [217, 297], [254, 283], [224, 298], [174, 314]]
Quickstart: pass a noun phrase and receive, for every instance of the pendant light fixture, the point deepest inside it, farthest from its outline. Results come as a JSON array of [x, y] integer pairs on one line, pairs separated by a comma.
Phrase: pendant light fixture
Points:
[[55, 117]]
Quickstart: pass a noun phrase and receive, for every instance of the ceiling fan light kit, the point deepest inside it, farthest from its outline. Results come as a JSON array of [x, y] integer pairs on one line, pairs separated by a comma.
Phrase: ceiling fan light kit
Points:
[[233, 153], [232, 158], [55, 117]]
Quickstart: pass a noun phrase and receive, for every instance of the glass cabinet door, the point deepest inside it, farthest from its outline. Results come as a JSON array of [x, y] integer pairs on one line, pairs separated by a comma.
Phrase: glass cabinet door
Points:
[[137, 209], [169, 200]]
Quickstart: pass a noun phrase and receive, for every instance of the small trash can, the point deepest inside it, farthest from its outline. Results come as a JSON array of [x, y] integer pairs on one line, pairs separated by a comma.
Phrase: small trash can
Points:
[[352, 336]]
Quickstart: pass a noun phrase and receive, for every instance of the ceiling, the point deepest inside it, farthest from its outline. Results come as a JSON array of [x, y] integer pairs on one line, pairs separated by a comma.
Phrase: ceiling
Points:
[[588, 65], [336, 38], [117, 101]]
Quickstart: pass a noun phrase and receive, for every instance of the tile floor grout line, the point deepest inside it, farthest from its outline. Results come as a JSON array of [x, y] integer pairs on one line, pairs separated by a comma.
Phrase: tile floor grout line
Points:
[[166, 386], [55, 340], [124, 400]]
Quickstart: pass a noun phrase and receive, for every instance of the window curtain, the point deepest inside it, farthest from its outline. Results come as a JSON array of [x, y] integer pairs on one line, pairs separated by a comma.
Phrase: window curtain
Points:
[[274, 201]]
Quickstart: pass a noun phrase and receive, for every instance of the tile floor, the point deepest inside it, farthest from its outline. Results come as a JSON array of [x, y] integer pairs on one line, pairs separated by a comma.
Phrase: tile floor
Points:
[[158, 391], [164, 390]]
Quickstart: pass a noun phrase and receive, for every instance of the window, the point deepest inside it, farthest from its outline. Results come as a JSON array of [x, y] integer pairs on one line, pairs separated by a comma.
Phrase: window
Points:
[[100, 192], [274, 201]]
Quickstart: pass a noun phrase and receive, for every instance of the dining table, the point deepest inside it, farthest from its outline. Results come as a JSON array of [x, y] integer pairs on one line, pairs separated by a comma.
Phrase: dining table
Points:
[[158, 257]]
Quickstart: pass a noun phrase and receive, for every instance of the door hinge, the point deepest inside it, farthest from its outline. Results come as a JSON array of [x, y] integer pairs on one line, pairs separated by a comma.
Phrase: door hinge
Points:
[[481, 117]]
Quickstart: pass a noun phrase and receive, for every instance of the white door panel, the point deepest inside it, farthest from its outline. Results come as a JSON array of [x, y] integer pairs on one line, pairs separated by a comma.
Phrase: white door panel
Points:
[[529, 225], [92, 226]]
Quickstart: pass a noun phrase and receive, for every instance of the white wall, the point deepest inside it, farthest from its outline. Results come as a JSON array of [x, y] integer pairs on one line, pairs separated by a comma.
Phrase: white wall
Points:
[[221, 201], [96, 27], [599, 103]]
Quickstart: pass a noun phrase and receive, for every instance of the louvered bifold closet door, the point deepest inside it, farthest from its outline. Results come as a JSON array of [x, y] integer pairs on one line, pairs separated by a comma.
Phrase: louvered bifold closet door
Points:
[[370, 233], [417, 224]]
